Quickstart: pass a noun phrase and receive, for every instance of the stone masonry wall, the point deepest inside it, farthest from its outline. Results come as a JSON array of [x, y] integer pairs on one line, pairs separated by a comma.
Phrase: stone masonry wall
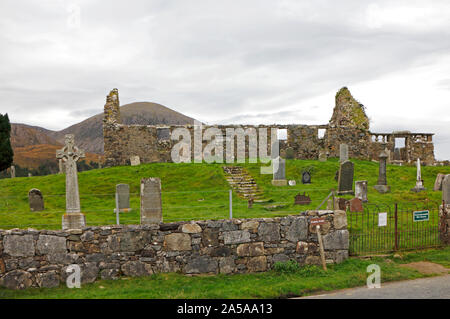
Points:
[[39, 258]]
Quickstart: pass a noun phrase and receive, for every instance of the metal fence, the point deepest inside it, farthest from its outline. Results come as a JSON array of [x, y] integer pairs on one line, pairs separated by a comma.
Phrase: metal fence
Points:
[[385, 229]]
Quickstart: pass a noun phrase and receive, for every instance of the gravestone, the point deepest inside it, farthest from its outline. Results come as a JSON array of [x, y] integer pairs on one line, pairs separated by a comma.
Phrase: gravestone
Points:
[[419, 182], [438, 183], [361, 190], [306, 178], [345, 181], [29, 174], [135, 160], [302, 199], [250, 203], [151, 205], [446, 190], [323, 156], [279, 172], [382, 186], [123, 196], [60, 165], [70, 154], [356, 205], [13, 172], [292, 182], [343, 153], [290, 154], [35, 200]]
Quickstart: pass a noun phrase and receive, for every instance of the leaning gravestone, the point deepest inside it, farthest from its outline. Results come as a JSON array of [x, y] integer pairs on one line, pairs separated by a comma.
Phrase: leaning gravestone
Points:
[[123, 196], [345, 181], [446, 190], [70, 154], [279, 172], [151, 205], [36, 200], [361, 191], [343, 153], [135, 160]]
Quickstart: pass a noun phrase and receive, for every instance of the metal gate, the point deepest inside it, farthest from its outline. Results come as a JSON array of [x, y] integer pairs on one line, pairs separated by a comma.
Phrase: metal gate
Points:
[[384, 228]]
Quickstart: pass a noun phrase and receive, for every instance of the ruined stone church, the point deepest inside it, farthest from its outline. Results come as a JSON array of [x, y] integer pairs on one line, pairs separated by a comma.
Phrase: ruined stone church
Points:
[[349, 125]]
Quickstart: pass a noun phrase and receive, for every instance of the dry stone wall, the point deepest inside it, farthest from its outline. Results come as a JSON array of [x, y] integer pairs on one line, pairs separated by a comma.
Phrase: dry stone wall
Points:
[[39, 258]]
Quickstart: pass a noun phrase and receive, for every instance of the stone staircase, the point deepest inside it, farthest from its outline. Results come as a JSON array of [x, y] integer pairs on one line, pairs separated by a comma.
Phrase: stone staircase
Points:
[[243, 184]]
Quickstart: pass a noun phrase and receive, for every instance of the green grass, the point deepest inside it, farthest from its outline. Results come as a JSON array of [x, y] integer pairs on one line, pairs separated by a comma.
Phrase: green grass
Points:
[[284, 282], [197, 191]]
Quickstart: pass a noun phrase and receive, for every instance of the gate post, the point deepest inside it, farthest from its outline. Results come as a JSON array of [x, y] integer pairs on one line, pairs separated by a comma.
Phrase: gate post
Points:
[[396, 227], [444, 224]]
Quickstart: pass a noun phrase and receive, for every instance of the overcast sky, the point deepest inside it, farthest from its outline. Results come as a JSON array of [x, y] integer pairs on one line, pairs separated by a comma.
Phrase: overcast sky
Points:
[[229, 61]]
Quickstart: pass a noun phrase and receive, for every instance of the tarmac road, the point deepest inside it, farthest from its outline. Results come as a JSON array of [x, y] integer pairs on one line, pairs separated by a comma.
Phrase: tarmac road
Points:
[[424, 288]]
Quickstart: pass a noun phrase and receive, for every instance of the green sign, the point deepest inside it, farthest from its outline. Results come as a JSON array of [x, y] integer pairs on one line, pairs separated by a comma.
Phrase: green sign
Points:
[[421, 216]]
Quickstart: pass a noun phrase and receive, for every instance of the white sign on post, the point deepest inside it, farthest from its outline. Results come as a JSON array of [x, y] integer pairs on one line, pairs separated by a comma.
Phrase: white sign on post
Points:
[[382, 219]]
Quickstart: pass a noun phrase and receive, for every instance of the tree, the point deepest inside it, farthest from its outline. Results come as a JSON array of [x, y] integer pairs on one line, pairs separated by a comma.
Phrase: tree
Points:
[[6, 151]]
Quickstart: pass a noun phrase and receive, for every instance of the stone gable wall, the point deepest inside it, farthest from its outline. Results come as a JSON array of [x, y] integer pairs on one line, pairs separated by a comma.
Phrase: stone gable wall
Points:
[[39, 258]]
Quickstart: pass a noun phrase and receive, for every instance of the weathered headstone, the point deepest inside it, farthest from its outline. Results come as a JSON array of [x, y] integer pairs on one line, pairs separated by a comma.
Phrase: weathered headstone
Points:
[[35, 200], [73, 219], [446, 190], [361, 190], [29, 174], [419, 182], [323, 156], [302, 199], [356, 205], [343, 153], [306, 178], [345, 181], [13, 171], [279, 172], [438, 182], [382, 186], [123, 194], [339, 204], [151, 204], [135, 160], [250, 203], [60, 166]]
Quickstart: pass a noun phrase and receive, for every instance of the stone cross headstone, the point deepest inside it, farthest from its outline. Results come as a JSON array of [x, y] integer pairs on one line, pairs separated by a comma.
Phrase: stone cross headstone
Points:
[[438, 183], [123, 193], [151, 204], [419, 182], [35, 200], [73, 219], [446, 190], [306, 178], [343, 153], [382, 186], [345, 180], [13, 171], [361, 190], [135, 160], [279, 172]]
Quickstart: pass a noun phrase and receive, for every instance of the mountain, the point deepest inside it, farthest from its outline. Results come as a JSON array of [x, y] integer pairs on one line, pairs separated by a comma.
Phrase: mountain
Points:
[[35, 145]]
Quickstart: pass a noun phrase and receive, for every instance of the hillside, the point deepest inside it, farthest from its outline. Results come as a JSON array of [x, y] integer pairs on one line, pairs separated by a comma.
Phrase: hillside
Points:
[[202, 192], [34, 145], [35, 155]]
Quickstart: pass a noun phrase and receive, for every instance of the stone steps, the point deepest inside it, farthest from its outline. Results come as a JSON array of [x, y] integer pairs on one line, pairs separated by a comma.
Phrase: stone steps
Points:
[[243, 184]]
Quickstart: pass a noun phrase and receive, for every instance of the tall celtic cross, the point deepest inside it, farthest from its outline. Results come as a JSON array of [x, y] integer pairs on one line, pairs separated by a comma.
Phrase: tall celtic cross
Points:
[[70, 154]]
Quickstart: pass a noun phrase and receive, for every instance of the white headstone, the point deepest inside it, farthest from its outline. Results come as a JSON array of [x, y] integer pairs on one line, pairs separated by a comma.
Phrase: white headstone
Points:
[[135, 160]]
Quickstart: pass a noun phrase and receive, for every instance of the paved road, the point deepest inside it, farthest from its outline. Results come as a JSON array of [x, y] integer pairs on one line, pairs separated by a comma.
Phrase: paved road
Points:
[[425, 288]]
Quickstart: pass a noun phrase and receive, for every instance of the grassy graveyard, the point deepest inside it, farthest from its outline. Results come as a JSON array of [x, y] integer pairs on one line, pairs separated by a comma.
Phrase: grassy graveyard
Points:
[[200, 191], [284, 281]]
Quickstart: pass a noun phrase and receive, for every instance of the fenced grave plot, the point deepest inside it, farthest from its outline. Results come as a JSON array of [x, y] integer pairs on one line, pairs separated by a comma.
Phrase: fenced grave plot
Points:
[[385, 228]]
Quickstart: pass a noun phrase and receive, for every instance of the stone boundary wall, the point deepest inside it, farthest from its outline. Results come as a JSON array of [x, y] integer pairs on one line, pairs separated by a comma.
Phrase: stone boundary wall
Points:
[[39, 258]]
